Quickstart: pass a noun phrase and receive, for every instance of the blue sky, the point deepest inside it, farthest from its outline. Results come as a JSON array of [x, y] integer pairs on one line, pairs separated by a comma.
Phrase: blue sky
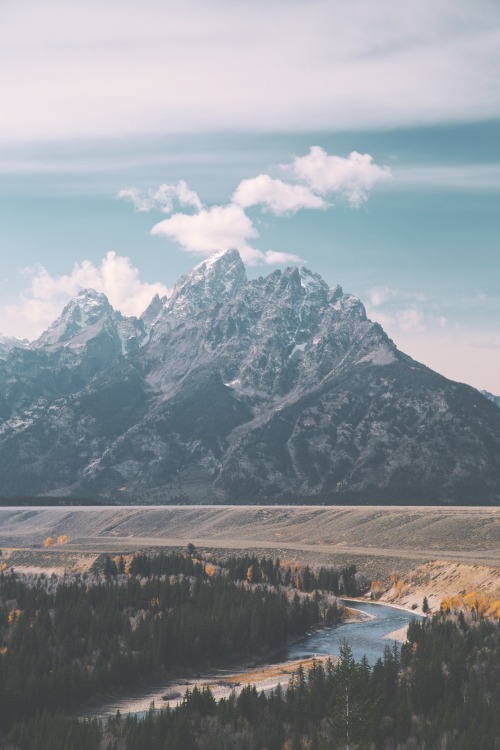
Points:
[[221, 103]]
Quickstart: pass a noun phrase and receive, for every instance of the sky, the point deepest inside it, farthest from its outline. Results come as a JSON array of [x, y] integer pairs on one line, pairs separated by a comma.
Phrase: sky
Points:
[[360, 139]]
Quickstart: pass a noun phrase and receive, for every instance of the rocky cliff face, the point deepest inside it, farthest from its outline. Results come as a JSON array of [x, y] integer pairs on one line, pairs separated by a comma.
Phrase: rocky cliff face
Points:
[[275, 388]]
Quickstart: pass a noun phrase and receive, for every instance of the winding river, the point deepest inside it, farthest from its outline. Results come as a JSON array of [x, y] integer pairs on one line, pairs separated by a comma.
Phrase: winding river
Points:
[[367, 636]]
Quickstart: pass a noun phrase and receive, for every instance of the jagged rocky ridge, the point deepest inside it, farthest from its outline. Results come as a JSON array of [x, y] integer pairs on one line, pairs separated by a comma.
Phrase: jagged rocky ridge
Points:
[[491, 397], [274, 388]]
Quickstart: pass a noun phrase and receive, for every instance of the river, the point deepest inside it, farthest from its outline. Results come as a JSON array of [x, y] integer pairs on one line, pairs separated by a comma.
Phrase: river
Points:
[[367, 637]]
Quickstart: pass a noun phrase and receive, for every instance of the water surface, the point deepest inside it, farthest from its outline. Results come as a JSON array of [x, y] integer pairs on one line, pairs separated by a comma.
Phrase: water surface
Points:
[[365, 638]]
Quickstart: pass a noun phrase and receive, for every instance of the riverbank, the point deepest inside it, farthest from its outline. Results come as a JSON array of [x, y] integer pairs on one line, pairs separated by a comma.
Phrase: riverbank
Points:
[[383, 602], [365, 631], [265, 675], [220, 682]]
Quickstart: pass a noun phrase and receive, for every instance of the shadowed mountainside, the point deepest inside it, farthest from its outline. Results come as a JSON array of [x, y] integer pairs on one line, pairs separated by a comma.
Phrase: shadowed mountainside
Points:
[[273, 388]]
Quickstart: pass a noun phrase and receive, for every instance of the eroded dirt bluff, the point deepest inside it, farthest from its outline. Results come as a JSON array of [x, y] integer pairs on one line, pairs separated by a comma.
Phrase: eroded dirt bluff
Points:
[[378, 539]]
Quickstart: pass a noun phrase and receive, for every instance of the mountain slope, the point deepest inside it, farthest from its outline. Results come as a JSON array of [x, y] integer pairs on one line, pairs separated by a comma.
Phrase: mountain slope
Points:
[[491, 397], [277, 387]]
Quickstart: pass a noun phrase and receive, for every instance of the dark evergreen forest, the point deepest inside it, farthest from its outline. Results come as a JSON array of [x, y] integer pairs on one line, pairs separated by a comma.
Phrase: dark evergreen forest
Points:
[[60, 644], [442, 690], [66, 641]]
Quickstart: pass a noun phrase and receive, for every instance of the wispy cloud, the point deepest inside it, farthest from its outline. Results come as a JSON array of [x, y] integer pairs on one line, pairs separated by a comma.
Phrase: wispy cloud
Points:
[[93, 69], [46, 294], [454, 176], [379, 295], [311, 180], [163, 198], [403, 312]]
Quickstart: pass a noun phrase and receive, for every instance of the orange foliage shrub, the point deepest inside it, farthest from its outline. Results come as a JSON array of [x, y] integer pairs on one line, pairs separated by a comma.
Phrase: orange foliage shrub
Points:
[[400, 588], [479, 605], [494, 609], [48, 542], [377, 589], [13, 615], [63, 539]]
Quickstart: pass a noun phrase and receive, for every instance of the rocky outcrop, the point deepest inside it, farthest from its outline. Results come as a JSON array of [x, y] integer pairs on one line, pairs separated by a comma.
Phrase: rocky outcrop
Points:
[[273, 388]]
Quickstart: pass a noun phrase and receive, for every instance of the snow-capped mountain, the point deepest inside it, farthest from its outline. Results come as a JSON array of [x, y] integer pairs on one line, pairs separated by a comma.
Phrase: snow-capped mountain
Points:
[[7, 343], [230, 389], [88, 317]]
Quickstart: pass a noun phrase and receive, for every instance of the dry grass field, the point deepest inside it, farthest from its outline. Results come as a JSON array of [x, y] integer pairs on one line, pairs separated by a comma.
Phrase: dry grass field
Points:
[[378, 539]]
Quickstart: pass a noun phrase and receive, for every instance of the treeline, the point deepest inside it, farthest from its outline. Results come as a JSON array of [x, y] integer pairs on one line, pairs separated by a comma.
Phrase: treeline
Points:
[[157, 565], [61, 644], [298, 576], [47, 501], [248, 568], [441, 691]]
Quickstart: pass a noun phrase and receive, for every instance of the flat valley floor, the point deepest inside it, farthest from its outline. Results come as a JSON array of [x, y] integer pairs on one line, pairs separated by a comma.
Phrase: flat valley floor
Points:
[[378, 539]]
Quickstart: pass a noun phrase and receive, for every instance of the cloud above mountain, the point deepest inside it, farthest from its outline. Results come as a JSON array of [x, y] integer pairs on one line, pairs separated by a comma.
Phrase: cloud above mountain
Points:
[[352, 177], [46, 294], [312, 181]]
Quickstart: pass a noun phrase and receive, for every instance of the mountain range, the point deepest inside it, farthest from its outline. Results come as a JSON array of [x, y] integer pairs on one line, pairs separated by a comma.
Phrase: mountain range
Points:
[[271, 389]]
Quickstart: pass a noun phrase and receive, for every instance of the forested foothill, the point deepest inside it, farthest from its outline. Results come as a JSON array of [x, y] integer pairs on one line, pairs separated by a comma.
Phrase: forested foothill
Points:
[[441, 690], [66, 640]]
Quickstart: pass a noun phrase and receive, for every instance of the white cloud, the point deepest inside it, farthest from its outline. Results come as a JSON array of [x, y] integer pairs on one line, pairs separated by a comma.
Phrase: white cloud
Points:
[[352, 177], [402, 314], [379, 295], [275, 257], [278, 196], [218, 228], [41, 303], [163, 198], [209, 230], [94, 69], [221, 227]]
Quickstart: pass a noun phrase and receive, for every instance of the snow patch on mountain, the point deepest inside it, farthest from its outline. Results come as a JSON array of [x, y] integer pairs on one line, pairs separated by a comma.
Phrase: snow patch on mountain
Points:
[[382, 355], [7, 343]]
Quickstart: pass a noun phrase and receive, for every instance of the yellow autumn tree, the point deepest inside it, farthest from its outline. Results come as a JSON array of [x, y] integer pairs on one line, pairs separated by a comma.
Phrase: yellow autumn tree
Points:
[[400, 588], [210, 569], [494, 609], [48, 542], [446, 604], [63, 539], [376, 589]]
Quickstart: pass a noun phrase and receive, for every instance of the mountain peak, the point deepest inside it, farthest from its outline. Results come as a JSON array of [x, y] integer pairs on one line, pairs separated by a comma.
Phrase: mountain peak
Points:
[[215, 280], [152, 311], [83, 311]]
